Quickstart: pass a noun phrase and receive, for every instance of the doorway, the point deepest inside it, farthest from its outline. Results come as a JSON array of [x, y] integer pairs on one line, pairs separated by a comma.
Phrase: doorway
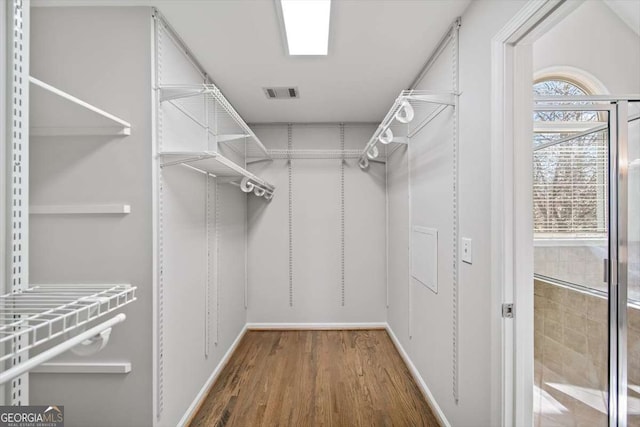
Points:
[[513, 226], [585, 257]]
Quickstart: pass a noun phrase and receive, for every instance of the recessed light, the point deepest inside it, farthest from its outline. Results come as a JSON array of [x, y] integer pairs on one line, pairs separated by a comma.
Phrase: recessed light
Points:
[[306, 24]]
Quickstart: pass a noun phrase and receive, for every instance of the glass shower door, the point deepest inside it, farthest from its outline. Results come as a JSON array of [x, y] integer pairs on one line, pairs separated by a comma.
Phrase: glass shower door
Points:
[[571, 245], [633, 265]]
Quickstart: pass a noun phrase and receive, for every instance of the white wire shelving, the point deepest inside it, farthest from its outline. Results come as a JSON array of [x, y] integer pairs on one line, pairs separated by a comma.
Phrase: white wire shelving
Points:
[[411, 111], [205, 105], [215, 164], [42, 313], [53, 112], [314, 154]]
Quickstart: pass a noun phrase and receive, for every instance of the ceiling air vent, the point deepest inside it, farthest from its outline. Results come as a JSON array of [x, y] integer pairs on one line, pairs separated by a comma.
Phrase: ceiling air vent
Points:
[[281, 92]]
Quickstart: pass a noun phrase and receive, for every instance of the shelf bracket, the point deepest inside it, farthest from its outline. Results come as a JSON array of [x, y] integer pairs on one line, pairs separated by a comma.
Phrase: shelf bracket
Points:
[[231, 137]]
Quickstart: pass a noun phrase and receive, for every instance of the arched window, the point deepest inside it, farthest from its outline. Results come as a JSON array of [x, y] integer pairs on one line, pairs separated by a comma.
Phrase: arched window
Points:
[[569, 165]]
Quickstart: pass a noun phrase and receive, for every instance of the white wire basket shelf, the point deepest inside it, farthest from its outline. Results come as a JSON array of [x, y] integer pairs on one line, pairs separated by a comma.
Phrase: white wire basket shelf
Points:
[[54, 112], [411, 111], [205, 105], [215, 164], [42, 313]]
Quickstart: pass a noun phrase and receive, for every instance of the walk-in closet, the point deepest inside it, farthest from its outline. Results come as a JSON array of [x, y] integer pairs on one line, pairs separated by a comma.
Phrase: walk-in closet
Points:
[[319, 212]]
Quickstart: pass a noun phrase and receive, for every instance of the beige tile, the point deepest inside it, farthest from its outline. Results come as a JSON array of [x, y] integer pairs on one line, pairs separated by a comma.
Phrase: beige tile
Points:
[[538, 345], [539, 302], [575, 322], [565, 400], [633, 420], [597, 352], [538, 320], [633, 346], [597, 309], [550, 375], [633, 372], [575, 341], [634, 319], [597, 330], [557, 420], [557, 294], [575, 359], [576, 302], [586, 416], [539, 288], [553, 330], [552, 354], [553, 311]]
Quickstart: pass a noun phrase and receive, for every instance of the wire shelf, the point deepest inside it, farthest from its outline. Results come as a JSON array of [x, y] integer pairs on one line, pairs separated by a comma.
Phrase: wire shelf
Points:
[[44, 312], [314, 154], [208, 107], [216, 164], [411, 111]]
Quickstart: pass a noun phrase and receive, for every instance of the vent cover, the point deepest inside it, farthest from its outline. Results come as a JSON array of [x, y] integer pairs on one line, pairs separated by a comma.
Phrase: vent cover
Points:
[[281, 92]]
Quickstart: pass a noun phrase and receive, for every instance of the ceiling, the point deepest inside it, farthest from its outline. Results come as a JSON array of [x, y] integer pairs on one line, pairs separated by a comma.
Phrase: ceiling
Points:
[[628, 11], [376, 49]]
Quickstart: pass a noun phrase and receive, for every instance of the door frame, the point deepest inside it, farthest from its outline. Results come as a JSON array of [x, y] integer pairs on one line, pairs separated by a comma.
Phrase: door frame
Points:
[[511, 213]]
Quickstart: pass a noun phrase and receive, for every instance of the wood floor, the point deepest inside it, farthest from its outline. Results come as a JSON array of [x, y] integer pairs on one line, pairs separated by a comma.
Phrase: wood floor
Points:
[[315, 378]]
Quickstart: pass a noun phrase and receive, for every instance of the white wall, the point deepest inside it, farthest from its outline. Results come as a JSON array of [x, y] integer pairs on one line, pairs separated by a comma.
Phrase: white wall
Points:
[[111, 53], [317, 291], [78, 51], [594, 39], [189, 250], [431, 164]]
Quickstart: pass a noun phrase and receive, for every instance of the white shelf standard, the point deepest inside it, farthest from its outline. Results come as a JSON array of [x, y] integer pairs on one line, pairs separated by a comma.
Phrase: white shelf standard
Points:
[[53, 112]]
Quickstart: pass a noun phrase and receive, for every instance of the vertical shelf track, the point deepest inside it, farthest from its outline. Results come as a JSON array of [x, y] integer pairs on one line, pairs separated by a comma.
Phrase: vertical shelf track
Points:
[[18, 76], [159, 24], [342, 217], [216, 260], [455, 290], [290, 169]]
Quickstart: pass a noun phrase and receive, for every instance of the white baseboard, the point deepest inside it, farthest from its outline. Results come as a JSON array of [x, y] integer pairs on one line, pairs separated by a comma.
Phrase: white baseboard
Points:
[[214, 376], [418, 378], [316, 326]]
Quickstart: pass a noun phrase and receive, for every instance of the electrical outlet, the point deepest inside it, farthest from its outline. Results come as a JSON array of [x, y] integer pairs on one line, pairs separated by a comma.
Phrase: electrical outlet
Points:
[[467, 250]]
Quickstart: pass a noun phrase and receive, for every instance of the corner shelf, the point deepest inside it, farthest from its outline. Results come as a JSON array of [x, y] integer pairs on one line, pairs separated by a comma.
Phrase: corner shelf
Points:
[[213, 163], [54, 112], [41, 313], [220, 120]]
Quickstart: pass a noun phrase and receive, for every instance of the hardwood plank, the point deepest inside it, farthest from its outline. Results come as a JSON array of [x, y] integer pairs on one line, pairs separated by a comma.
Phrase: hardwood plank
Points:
[[315, 378]]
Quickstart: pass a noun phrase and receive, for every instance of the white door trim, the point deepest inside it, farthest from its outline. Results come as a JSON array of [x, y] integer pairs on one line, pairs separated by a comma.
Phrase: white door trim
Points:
[[511, 213]]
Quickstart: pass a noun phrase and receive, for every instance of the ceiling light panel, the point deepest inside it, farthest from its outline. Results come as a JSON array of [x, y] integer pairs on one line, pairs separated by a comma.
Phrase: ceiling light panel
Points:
[[306, 23]]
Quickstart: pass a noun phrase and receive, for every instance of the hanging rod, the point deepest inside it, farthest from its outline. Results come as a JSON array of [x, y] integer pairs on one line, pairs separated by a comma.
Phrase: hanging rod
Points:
[[402, 111], [49, 354], [580, 134]]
